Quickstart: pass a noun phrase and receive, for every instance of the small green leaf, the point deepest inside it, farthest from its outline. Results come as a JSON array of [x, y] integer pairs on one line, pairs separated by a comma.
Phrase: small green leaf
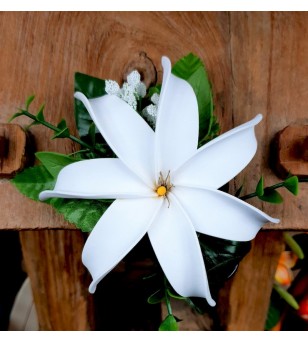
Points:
[[29, 101], [260, 187], [191, 69], [291, 184], [153, 90], [64, 133], [273, 316], [54, 162], [169, 324], [92, 133], [32, 181], [156, 297], [175, 296], [40, 113], [286, 296], [293, 245], [272, 196], [91, 87], [15, 115]]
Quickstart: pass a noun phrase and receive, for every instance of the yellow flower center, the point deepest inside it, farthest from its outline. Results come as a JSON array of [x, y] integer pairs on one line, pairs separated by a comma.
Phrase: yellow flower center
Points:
[[161, 190]]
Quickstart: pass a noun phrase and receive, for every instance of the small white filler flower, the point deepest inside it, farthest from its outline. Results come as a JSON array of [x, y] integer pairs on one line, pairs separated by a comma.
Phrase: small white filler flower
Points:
[[163, 185]]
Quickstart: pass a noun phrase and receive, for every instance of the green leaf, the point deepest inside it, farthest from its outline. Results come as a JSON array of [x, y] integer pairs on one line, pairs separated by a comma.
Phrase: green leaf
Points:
[[92, 133], [29, 101], [54, 162], [64, 133], [32, 181], [156, 297], [91, 87], [153, 90], [81, 212], [260, 187], [15, 115], [273, 316], [272, 196], [40, 113], [175, 295], [291, 184], [191, 69], [286, 296], [293, 245], [169, 324]]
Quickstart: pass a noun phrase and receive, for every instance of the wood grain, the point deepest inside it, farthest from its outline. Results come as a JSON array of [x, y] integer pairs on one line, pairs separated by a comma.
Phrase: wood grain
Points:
[[244, 301], [43, 50], [59, 281]]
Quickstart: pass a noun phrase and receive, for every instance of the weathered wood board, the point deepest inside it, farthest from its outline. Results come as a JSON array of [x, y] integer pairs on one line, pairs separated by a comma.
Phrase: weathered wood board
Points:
[[256, 62]]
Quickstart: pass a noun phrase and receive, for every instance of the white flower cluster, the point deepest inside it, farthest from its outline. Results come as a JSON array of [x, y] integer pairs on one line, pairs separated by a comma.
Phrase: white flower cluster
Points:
[[150, 112], [131, 91]]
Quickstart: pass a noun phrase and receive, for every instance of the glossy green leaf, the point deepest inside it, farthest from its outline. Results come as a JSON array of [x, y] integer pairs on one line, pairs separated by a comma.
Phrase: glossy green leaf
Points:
[[191, 69], [293, 245], [64, 133], [54, 162], [273, 316], [286, 296], [40, 114], [156, 297], [169, 324], [32, 181], [272, 196], [29, 101], [14, 116], [81, 212], [291, 184], [91, 87], [260, 187]]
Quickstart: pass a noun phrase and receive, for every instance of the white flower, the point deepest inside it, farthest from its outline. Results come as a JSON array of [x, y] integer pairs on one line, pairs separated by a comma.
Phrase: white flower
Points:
[[112, 87], [163, 186]]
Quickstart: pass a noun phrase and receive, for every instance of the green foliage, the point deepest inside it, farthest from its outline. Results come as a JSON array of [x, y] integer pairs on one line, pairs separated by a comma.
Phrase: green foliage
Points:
[[191, 69], [272, 196], [260, 187], [291, 184], [273, 316], [157, 297], [293, 245], [91, 87], [29, 101], [81, 212], [32, 181], [64, 131], [286, 296], [54, 162], [169, 324]]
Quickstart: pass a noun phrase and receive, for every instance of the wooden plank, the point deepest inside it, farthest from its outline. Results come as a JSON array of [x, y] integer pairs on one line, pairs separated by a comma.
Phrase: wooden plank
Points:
[[58, 279], [269, 71], [244, 301], [102, 44]]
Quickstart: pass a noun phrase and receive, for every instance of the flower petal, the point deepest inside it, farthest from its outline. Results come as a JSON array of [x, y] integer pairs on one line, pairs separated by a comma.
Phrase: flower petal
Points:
[[104, 178], [121, 227], [177, 248], [221, 159], [128, 135], [220, 214], [177, 122]]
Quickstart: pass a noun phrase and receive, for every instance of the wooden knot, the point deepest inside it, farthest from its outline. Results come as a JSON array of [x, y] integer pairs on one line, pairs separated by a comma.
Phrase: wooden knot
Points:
[[145, 67], [13, 155], [291, 145]]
